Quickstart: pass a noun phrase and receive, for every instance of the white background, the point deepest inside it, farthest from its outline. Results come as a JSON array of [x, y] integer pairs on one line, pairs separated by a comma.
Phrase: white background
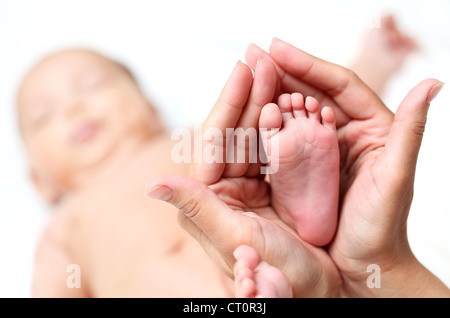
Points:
[[182, 52]]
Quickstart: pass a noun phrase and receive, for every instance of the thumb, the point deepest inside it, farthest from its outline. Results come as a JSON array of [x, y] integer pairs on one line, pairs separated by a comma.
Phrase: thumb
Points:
[[196, 201], [405, 135]]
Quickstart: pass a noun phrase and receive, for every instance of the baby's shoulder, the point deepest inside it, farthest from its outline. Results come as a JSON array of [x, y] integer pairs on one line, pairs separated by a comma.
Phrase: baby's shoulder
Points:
[[63, 218], [56, 228]]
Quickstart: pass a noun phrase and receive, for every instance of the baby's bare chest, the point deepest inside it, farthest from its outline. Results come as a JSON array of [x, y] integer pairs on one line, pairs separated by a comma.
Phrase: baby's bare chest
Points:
[[114, 219]]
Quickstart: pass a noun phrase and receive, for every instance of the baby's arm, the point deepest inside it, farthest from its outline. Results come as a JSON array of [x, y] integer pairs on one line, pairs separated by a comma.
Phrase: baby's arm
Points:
[[52, 262]]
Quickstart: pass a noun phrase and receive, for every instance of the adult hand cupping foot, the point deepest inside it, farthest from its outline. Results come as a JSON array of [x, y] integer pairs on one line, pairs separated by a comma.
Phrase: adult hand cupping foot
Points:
[[223, 213], [378, 159]]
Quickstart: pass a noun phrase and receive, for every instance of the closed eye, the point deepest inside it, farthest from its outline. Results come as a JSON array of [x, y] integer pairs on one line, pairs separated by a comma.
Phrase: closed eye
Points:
[[42, 115]]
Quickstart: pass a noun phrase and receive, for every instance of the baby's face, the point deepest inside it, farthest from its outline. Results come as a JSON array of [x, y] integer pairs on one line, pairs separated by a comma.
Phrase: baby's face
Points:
[[75, 108]]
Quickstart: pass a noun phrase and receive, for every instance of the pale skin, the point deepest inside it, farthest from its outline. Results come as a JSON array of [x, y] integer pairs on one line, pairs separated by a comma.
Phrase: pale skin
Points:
[[93, 142], [88, 131], [56, 247], [254, 278], [383, 52], [305, 188], [378, 158]]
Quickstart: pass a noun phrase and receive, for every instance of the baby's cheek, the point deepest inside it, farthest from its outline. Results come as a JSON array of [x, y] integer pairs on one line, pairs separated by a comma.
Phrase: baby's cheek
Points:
[[47, 155], [120, 109], [108, 104], [128, 111], [44, 141]]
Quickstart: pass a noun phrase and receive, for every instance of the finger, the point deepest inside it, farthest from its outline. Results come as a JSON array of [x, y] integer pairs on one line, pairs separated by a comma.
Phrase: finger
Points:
[[290, 84], [355, 98], [202, 207], [246, 152], [254, 169], [208, 245], [255, 53], [405, 136], [225, 114]]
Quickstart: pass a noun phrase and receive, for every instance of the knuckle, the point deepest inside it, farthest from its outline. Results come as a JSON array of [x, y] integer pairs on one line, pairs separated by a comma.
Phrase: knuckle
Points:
[[191, 207], [346, 77], [192, 204], [351, 74], [418, 128]]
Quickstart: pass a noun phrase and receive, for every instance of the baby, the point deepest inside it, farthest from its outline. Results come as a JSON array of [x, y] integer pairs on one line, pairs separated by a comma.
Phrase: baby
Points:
[[89, 131], [94, 141]]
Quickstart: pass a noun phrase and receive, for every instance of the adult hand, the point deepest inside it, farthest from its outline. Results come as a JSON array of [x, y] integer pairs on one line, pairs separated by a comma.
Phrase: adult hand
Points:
[[378, 159], [228, 204]]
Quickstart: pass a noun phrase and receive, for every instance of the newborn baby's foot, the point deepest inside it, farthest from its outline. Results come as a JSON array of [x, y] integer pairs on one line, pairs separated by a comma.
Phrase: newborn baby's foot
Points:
[[255, 278], [305, 189]]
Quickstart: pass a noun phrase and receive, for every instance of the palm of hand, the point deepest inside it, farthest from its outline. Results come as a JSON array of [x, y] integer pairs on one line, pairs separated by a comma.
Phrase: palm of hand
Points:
[[365, 191], [258, 225]]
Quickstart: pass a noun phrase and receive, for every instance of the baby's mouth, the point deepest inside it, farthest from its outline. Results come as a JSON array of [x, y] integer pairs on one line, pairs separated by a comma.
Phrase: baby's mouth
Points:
[[83, 133]]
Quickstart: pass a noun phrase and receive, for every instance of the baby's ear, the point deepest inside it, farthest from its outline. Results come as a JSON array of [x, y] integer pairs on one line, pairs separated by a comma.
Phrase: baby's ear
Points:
[[48, 191], [155, 119]]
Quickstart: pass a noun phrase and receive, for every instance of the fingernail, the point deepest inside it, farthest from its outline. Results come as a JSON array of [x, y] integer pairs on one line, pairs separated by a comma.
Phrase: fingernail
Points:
[[258, 62], [434, 91], [160, 192], [275, 39]]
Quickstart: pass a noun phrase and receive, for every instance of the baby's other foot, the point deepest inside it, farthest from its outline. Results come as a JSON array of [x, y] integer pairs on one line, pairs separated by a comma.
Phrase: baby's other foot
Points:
[[305, 189], [383, 52], [255, 278]]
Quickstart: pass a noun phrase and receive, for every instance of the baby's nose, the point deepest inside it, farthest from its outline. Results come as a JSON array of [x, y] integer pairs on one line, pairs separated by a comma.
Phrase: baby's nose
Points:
[[73, 108]]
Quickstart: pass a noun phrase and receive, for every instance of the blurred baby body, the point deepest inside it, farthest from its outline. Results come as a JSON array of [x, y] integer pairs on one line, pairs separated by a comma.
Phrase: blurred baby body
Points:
[[93, 142]]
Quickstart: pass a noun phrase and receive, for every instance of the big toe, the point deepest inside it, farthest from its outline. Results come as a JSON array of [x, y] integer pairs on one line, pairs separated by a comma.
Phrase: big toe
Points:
[[270, 117]]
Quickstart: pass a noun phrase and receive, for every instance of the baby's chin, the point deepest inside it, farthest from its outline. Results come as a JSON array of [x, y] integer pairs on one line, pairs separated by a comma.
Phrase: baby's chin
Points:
[[94, 153], [99, 154]]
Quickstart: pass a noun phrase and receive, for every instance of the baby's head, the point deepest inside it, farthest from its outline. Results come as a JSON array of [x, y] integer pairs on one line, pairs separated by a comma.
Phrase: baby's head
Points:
[[74, 108]]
